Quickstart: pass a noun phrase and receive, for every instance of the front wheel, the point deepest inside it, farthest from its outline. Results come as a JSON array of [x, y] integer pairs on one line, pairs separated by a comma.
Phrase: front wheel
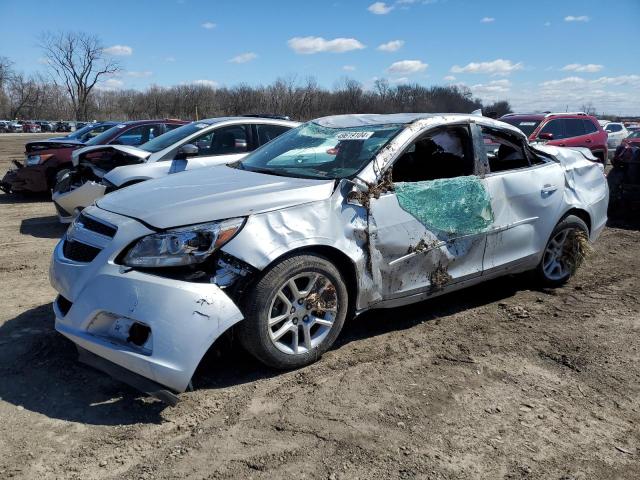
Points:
[[294, 312], [565, 251]]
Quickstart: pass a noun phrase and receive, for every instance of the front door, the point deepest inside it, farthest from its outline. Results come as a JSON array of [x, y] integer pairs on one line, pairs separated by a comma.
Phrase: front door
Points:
[[427, 231]]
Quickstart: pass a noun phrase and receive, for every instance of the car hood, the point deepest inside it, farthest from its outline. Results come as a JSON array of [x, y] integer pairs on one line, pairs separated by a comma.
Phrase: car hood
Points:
[[52, 144], [126, 149], [212, 193]]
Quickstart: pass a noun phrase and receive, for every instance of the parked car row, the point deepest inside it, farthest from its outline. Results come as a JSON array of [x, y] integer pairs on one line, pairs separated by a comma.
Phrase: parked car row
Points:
[[40, 126]]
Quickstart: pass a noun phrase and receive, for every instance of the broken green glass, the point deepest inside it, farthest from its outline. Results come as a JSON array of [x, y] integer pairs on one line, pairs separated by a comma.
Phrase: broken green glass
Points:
[[458, 205]]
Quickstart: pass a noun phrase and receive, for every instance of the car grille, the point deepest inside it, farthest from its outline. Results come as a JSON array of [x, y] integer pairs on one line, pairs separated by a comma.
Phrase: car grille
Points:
[[95, 226], [78, 251]]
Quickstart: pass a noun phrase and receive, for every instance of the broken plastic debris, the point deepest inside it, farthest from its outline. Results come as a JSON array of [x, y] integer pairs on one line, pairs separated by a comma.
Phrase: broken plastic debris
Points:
[[453, 205]]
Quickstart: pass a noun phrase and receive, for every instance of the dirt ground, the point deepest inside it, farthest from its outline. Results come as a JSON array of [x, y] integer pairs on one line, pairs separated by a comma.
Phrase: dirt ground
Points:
[[500, 381]]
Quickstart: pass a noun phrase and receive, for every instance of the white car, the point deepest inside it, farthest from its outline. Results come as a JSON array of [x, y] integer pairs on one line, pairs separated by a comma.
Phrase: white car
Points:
[[101, 169], [383, 211], [617, 132]]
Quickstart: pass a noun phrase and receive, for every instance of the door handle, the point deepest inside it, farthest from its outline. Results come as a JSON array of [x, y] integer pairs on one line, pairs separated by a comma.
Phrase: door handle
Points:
[[548, 189], [562, 144], [588, 140]]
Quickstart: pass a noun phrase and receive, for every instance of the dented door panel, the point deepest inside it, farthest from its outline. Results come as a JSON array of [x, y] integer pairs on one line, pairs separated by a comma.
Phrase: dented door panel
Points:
[[410, 257]]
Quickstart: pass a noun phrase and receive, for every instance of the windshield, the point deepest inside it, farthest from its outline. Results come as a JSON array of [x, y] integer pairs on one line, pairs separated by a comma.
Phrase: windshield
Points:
[[105, 136], [313, 151], [174, 136], [527, 126], [635, 134], [84, 132]]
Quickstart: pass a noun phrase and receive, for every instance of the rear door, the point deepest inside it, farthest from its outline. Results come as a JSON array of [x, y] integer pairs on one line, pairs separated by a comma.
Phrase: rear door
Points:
[[526, 197]]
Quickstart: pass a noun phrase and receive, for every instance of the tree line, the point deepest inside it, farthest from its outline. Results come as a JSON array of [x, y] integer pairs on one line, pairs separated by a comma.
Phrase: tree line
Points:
[[75, 66]]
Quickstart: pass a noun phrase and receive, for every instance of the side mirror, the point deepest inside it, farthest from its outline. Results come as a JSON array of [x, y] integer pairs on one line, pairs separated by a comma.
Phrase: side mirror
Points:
[[545, 136], [186, 151]]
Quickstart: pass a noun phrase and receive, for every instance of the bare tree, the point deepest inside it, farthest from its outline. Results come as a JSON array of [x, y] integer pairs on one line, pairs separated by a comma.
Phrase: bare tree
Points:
[[24, 94], [78, 62]]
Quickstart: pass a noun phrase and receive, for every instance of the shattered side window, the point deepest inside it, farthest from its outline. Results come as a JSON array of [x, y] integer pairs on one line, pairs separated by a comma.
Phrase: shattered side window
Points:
[[453, 205], [507, 152], [443, 153]]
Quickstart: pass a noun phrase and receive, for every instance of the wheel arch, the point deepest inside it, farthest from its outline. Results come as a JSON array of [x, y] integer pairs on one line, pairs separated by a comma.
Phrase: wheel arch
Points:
[[581, 214]]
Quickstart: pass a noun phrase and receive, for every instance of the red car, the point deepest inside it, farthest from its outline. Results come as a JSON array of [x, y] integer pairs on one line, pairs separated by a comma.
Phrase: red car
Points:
[[562, 130], [45, 158], [632, 139]]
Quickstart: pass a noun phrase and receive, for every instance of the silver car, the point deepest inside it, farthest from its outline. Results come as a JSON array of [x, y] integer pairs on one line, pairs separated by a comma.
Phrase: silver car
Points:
[[100, 169], [336, 217]]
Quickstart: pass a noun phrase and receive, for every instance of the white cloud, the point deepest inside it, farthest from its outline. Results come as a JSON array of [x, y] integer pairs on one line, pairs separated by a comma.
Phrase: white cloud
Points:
[[618, 81], [120, 50], [143, 74], [487, 20], [244, 57], [349, 68], [613, 95], [577, 67], [400, 80], [380, 8], [392, 46], [547, 24], [407, 67], [491, 88], [449, 78], [169, 59], [310, 45], [206, 83], [110, 84], [579, 18], [563, 82], [209, 25], [496, 67]]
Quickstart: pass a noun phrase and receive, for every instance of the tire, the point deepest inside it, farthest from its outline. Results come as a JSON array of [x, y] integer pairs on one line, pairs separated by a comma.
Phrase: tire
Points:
[[317, 314], [569, 252]]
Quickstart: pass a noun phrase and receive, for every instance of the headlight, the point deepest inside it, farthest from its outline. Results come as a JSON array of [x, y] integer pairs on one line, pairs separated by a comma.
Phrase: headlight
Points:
[[32, 160], [182, 246]]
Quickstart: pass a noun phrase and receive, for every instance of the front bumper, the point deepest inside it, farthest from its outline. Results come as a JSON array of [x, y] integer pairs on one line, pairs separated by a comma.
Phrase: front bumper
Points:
[[26, 179], [101, 301], [70, 203]]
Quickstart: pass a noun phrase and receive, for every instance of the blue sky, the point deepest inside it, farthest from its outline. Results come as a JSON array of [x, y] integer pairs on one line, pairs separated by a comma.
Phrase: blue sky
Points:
[[543, 54]]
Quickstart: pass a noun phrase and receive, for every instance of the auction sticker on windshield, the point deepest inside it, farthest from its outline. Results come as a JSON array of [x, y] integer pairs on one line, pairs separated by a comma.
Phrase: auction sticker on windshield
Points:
[[354, 135]]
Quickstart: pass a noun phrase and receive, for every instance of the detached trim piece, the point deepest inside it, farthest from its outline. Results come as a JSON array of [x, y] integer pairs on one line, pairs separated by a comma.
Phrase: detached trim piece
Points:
[[127, 376]]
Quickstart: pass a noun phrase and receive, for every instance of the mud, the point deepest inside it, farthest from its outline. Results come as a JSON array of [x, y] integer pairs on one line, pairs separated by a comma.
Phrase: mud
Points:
[[439, 277], [499, 381]]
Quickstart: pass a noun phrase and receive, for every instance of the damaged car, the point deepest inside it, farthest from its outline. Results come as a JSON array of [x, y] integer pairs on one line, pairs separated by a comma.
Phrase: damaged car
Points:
[[101, 169], [47, 158], [338, 216]]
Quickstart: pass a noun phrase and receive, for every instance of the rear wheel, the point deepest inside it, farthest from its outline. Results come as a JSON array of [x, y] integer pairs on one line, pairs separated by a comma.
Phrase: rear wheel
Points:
[[565, 251], [295, 312]]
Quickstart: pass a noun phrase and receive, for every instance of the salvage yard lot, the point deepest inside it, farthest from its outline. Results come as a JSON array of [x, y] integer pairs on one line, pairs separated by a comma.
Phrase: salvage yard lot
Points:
[[497, 381]]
